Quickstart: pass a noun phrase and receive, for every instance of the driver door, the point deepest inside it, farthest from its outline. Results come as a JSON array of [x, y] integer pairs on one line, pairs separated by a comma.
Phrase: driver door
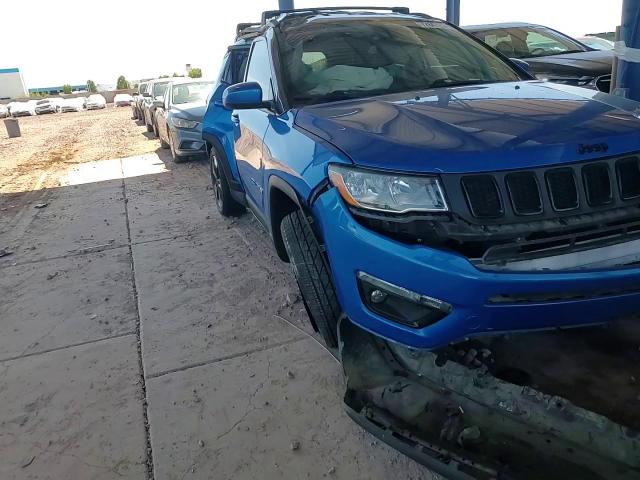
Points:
[[250, 126]]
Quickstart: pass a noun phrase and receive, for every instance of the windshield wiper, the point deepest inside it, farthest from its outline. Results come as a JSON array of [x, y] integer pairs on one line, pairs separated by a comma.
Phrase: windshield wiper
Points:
[[332, 96], [447, 82]]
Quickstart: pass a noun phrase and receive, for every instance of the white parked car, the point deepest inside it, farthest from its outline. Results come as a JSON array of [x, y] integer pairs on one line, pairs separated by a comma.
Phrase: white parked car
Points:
[[4, 110], [96, 101], [122, 100], [23, 109], [73, 104], [48, 105]]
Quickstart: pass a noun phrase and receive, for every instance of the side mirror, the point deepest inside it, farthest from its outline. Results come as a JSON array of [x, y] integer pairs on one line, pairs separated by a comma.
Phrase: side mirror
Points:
[[146, 94], [158, 103], [243, 96], [521, 64]]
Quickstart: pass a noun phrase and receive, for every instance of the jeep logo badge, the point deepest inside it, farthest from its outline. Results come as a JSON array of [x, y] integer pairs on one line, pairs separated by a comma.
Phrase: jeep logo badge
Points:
[[593, 148]]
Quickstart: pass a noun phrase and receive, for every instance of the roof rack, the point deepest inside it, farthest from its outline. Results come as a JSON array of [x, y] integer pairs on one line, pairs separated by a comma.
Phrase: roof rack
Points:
[[241, 27], [269, 14]]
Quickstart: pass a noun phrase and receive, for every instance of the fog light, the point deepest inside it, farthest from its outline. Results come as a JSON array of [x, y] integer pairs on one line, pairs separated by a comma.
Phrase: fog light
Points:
[[378, 296], [399, 304]]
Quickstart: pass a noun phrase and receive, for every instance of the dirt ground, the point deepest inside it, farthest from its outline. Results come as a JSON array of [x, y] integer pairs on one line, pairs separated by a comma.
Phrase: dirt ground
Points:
[[146, 337]]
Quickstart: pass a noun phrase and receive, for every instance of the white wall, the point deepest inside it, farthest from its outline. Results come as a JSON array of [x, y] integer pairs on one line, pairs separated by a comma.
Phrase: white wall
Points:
[[12, 85]]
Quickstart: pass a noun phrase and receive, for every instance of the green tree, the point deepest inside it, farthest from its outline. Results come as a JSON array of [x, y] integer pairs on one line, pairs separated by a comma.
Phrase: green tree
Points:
[[163, 76], [122, 83], [91, 86], [67, 89], [195, 73], [176, 74]]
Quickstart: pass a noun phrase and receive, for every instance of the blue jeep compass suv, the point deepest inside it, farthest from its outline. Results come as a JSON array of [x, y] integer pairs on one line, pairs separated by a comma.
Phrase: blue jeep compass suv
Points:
[[421, 183]]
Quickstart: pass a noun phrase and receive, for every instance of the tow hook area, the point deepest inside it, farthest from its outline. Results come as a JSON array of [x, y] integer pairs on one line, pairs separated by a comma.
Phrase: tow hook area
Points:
[[460, 421]]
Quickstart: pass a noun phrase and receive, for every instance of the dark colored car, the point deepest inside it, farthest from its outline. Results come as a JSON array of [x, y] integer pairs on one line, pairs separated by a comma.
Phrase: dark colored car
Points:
[[179, 117], [551, 55]]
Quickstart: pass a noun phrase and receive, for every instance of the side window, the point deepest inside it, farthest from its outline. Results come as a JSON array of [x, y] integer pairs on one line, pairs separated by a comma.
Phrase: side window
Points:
[[259, 69], [543, 43], [225, 71], [240, 58]]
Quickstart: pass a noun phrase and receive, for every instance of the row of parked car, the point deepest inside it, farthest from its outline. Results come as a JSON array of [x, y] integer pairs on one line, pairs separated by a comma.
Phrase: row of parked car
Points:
[[173, 109], [61, 105]]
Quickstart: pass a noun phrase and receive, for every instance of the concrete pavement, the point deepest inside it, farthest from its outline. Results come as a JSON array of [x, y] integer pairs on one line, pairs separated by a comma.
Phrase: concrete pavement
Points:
[[142, 338]]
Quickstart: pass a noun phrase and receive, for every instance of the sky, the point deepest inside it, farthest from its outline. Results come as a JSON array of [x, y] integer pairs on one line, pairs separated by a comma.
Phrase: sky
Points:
[[142, 39]]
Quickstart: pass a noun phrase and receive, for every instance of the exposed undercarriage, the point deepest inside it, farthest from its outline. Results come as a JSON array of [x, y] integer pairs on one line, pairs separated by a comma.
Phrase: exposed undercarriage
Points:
[[563, 404]]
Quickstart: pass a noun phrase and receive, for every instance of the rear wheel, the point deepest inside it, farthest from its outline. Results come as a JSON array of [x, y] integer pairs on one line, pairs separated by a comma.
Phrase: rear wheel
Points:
[[312, 275], [225, 203]]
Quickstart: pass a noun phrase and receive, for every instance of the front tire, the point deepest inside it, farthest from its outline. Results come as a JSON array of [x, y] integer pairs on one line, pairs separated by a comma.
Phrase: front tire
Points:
[[163, 144], [225, 203], [174, 156], [312, 275]]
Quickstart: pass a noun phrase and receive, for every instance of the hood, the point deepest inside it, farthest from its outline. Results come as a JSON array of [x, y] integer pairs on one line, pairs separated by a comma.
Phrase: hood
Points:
[[591, 64], [190, 111], [475, 129]]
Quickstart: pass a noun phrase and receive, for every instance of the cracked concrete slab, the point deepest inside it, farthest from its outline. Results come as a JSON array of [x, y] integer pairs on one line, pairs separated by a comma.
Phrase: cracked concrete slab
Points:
[[66, 301], [202, 298], [73, 414], [272, 414]]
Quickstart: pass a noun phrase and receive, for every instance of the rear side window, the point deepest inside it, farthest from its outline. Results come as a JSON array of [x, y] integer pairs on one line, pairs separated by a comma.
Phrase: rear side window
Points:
[[259, 69]]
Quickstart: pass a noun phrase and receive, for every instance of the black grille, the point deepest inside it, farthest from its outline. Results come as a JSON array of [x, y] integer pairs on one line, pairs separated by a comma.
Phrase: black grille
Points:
[[628, 170], [563, 190], [483, 196], [597, 184], [524, 193], [545, 193]]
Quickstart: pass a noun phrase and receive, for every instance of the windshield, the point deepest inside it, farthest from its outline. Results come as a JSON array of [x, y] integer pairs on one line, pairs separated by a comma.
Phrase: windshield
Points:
[[351, 58], [529, 42], [191, 92], [159, 89], [598, 43]]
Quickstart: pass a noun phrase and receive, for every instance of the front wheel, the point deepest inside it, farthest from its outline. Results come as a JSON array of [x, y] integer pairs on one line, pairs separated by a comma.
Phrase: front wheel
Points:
[[163, 143], [312, 275], [225, 203]]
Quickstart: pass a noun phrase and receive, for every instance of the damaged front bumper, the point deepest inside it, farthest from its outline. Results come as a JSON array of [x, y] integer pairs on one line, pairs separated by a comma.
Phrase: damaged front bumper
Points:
[[467, 415], [481, 301]]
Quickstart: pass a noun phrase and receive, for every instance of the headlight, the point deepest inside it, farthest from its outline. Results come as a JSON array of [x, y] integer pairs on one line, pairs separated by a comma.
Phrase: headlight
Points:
[[184, 123], [388, 192]]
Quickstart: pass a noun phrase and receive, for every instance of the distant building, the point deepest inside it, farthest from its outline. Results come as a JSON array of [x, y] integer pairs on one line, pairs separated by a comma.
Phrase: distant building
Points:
[[106, 87], [11, 84], [58, 90]]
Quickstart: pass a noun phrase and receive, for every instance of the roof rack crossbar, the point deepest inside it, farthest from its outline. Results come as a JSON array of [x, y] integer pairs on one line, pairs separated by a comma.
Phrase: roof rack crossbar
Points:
[[243, 26], [266, 16]]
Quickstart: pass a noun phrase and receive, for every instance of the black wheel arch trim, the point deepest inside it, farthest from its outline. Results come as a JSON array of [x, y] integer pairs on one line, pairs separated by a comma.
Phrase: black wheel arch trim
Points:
[[275, 217]]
